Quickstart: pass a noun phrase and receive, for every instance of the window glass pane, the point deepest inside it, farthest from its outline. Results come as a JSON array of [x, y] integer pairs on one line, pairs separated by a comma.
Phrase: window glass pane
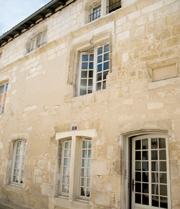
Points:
[[137, 176], [162, 143], [104, 84], [138, 165], [83, 82], [154, 155], [138, 187], [162, 166], [90, 74], [138, 144], [99, 59], [82, 181], [98, 86], [154, 143], [88, 193], [100, 50], [163, 202], [82, 191], [155, 189], [84, 74], [99, 68], [66, 161], [163, 190], [89, 153], [85, 144], [91, 57], [99, 76], [67, 145], [145, 144], [163, 178], [155, 177], [106, 57], [154, 166], [145, 166], [84, 163], [90, 82], [106, 48], [84, 65], [88, 182], [145, 155], [155, 201], [85, 57], [138, 198], [162, 154], [91, 65], [145, 177], [84, 153], [145, 199], [105, 74], [138, 156], [106, 65], [82, 92]]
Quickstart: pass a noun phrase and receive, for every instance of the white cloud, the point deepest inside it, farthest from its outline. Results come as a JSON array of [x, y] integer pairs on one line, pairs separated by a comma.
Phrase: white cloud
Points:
[[14, 11]]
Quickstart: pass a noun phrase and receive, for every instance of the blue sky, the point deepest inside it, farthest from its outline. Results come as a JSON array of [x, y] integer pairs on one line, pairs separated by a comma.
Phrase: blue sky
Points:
[[14, 11]]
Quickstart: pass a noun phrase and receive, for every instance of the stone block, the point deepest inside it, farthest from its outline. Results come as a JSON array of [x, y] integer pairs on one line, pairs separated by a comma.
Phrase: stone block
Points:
[[99, 167], [120, 21], [155, 105], [152, 7], [172, 42], [47, 189], [134, 15], [123, 36], [100, 197], [176, 30], [164, 72]]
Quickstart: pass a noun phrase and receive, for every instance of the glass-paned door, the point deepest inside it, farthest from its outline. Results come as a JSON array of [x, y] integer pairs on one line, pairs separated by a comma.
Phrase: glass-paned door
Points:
[[149, 172]]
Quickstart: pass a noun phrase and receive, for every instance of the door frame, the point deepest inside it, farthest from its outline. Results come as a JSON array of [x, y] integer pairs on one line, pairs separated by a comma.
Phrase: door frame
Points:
[[126, 163]]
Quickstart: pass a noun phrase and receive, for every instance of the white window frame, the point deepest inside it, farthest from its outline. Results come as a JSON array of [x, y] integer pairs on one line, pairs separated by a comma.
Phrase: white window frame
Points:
[[21, 161], [74, 181], [42, 42], [87, 167], [95, 63], [62, 166], [92, 13], [33, 44], [4, 95]]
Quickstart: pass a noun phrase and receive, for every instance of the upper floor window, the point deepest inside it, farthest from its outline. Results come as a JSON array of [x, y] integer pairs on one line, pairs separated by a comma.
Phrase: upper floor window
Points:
[[18, 162], [42, 38], [95, 13], [37, 41], [3, 94], [113, 5], [93, 69], [33, 44]]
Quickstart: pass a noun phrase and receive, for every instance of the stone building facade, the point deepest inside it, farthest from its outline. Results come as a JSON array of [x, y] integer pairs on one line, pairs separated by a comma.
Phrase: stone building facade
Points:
[[90, 106]]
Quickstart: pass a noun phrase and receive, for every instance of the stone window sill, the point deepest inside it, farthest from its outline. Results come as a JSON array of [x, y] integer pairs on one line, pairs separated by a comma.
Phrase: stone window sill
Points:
[[162, 83], [78, 204]]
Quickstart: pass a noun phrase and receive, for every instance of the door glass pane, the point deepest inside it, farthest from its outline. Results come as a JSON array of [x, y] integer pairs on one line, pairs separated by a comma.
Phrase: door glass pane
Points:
[[145, 188], [145, 155], [155, 201], [163, 202], [154, 155], [138, 176], [155, 189], [138, 155], [163, 190], [145, 199], [138, 145], [138, 187], [145, 177], [145, 144], [162, 143], [162, 154], [138, 198], [154, 143], [138, 166], [163, 178]]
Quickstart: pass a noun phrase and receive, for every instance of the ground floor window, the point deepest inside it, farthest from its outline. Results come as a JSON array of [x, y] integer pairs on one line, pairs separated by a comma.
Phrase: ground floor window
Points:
[[18, 161]]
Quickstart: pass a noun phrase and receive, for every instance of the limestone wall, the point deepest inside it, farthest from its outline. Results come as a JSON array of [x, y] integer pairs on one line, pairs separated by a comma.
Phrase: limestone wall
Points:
[[144, 38]]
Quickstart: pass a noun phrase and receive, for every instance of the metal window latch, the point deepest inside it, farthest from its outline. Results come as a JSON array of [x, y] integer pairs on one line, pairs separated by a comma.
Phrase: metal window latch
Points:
[[132, 185]]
